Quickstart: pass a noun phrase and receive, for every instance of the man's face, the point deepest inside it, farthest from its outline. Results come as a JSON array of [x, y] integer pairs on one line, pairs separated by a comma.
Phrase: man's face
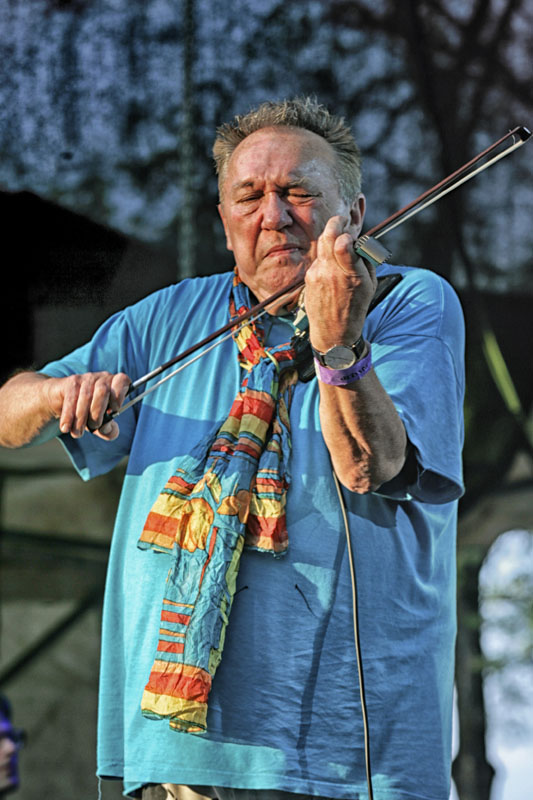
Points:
[[279, 191]]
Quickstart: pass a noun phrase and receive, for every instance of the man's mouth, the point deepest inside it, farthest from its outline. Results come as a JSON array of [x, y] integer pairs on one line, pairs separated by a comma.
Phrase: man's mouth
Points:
[[282, 249]]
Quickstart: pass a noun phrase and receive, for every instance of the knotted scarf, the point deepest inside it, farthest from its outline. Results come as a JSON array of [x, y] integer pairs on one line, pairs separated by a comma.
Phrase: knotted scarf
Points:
[[229, 492]]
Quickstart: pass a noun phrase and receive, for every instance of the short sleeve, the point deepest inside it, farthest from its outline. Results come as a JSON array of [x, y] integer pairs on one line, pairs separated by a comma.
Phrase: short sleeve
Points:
[[417, 337], [126, 342]]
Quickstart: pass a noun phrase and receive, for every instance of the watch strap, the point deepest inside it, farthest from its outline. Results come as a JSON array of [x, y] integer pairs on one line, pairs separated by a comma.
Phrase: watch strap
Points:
[[343, 377], [357, 348]]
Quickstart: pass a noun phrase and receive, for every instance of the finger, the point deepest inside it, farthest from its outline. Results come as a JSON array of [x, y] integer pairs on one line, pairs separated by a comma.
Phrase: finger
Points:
[[108, 396], [83, 405], [344, 255], [120, 385], [109, 431], [68, 390], [335, 229], [100, 400]]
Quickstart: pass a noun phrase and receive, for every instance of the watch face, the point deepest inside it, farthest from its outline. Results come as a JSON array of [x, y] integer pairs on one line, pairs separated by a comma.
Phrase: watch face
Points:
[[340, 357]]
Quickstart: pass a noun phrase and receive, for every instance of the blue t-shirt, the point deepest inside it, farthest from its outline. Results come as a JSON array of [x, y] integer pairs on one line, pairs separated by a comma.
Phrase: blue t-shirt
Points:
[[284, 710]]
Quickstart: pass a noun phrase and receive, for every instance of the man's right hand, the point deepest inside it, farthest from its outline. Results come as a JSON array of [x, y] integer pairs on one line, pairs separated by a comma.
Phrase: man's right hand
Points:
[[80, 402], [30, 401]]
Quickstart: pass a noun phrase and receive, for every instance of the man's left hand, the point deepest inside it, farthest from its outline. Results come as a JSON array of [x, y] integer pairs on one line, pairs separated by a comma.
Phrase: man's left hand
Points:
[[339, 287]]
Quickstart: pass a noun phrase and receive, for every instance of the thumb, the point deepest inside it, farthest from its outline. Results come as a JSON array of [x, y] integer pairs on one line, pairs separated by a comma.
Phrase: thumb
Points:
[[108, 431]]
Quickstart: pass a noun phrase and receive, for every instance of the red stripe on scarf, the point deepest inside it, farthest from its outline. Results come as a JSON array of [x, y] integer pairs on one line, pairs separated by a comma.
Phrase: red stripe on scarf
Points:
[[283, 355], [274, 527], [250, 448], [171, 647], [223, 446], [161, 524], [259, 404], [260, 407], [250, 350], [272, 484], [177, 685], [178, 481], [172, 616]]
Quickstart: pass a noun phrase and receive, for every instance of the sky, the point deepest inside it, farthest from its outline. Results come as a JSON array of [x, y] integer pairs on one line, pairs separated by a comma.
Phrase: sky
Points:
[[508, 694]]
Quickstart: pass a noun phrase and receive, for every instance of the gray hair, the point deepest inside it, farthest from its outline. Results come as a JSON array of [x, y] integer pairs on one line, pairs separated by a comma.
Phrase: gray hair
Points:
[[301, 112]]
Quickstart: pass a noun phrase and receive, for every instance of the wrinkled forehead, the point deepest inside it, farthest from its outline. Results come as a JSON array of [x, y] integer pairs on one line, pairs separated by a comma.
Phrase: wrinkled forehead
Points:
[[281, 154]]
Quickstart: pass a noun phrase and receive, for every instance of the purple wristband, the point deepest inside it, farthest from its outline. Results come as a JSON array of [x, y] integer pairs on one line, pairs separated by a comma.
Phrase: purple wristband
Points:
[[342, 377]]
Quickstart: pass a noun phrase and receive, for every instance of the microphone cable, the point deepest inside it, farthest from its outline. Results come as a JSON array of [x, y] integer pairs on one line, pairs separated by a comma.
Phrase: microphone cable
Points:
[[357, 641]]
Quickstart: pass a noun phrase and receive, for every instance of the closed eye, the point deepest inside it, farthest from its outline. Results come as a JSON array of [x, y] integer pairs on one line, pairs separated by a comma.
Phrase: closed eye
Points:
[[299, 195], [292, 195]]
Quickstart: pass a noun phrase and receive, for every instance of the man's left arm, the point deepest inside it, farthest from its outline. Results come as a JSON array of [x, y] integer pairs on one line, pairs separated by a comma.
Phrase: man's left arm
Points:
[[363, 432]]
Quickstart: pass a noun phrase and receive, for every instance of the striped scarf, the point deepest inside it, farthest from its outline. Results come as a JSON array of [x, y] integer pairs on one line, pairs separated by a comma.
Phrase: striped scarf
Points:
[[229, 492]]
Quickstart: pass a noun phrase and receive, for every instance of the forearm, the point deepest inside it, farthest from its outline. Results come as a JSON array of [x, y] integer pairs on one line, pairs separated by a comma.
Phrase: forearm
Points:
[[365, 436], [361, 427], [25, 412]]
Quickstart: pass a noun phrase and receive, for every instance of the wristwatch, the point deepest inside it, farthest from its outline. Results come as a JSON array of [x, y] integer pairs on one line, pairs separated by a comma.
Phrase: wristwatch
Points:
[[341, 356]]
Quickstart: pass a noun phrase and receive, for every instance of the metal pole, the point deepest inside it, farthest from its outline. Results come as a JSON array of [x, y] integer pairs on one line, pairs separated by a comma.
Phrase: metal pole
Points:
[[187, 239]]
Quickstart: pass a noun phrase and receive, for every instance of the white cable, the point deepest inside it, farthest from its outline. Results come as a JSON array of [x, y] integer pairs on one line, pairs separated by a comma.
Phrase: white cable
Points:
[[357, 641]]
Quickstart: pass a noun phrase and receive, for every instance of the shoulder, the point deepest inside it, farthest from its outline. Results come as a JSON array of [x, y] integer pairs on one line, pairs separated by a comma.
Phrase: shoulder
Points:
[[178, 309], [422, 301], [422, 284], [205, 291], [162, 322]]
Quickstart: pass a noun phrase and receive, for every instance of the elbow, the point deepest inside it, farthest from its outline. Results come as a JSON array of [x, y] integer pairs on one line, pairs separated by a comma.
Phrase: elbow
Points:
[[368, 474]]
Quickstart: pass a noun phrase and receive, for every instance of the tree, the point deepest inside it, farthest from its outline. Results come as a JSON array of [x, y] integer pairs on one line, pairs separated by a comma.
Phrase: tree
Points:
[[466, 64]]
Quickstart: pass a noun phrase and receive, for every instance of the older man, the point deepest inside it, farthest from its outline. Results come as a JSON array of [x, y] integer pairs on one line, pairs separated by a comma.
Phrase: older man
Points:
[[269, 702]]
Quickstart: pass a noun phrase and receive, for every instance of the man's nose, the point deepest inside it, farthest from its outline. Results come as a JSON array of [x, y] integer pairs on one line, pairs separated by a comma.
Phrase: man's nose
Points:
[[276, 212]]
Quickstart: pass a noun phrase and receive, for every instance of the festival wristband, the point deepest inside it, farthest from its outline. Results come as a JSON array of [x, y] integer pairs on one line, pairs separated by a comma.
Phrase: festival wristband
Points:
[[342, 377]]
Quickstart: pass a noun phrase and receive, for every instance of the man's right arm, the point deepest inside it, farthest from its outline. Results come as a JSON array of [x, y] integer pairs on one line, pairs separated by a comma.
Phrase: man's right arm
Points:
[[30, 402]]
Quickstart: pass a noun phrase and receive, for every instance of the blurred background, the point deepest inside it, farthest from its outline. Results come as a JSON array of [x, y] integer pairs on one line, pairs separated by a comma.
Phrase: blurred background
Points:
[[107, 192]]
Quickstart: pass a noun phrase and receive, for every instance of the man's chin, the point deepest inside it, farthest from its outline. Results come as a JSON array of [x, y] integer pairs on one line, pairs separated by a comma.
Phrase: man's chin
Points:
[[283, 275], [285, 303]]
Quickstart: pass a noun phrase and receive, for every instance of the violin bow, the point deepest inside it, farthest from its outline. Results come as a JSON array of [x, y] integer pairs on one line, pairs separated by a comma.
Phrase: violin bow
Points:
[[366, 246]]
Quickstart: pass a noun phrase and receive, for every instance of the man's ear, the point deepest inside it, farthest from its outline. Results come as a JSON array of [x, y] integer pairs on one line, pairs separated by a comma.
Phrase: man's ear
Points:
[[229, 246], [357, 214]]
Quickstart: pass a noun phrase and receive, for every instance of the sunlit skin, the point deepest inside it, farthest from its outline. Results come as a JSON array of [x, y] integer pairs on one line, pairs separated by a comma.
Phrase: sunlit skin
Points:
[[279, 192]]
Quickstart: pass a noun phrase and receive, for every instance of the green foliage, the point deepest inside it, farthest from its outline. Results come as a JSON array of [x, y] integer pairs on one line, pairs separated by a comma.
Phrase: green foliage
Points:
[[506, 587]]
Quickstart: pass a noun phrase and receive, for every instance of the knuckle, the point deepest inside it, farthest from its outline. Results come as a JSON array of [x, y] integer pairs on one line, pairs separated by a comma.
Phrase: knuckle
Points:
[[312, 276], [101, 389], [86, 389], [73, 381]]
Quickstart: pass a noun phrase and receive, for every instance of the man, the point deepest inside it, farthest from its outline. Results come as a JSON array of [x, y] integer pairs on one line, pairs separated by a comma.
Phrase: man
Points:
[[284, 716]]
